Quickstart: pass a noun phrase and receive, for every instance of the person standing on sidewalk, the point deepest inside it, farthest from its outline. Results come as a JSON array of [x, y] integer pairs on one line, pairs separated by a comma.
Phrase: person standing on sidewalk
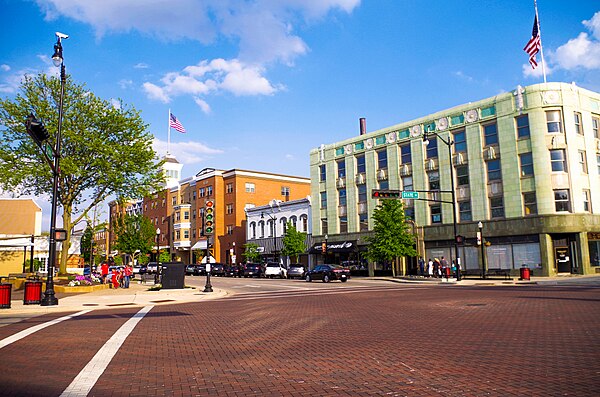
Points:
[[421, 267], [104, 271], [127, 275], [430, 268]]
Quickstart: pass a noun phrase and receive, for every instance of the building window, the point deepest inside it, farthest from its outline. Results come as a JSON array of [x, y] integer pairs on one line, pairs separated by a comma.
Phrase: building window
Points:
[[462, 175], [342, 197], [174, 200], [178, 235], [343, 224], [229, 188], [464, 210], [598, 162], [361, 167], [261, 229], [177, 217], [526, 160], [561, 200], [586, 201], [529, 204], [522, 126], [490, 134], [553, 121], [436, 213], [186, 215], [209, 191], [558, 160], [341, 167], [382, 160], [409, 213], [407, 183], [577, 121], [202, 192], [253, 230], [229, 209], [362, 193], [285, 191], [194, 195], [497, 207], [405, 154], [384, 184], [582, 161], [431, 150], [250, 188], [323, 200], [304, 219], [493, 170], [193, 215], [460, 141], [363, 221], [322, 173], [324, 228], [230, 229], [596, 126], [186, 234], [434, 180], [193, 233]]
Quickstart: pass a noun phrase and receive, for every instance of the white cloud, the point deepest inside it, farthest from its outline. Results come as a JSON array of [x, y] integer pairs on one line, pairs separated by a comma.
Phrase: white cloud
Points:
[[5, 67], [116, 104], [594, 25], [206, 77], [141, 65], [538, 71], [125, 83], [187, 153], [205, 107]]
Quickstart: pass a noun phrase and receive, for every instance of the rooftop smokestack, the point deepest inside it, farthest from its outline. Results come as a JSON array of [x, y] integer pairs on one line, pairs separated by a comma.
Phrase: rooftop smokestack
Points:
[[363, 125]]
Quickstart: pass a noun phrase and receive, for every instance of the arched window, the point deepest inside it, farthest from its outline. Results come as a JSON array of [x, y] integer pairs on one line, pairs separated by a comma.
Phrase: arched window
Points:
[[253, 230], [283, 222], [304, 221], [294, 220], [261, 227]]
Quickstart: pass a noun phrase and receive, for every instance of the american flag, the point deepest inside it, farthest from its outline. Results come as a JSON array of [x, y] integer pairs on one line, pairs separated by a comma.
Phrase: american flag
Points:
[[174, 123], [534, 44]]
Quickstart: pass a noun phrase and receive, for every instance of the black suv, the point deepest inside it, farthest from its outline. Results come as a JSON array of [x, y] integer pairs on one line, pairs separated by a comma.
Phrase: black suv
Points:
[[217, 269], [251, 270]]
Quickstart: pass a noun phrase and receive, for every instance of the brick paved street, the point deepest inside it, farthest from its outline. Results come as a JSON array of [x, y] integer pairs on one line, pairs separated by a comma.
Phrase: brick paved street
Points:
[[392, 340]]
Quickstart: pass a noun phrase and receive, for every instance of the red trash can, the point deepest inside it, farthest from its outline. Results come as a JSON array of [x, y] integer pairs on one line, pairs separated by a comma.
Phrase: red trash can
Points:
[[525, 273], [33, 293], [448, 272], [5, 289]]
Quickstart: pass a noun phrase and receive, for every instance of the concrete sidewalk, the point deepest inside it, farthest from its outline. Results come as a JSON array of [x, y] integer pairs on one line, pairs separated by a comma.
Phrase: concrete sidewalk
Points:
[[136, 295], [498, 281]]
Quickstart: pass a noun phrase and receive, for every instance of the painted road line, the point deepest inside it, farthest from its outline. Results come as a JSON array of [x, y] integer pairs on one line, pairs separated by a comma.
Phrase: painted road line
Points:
[[26, 332], [89, 375]]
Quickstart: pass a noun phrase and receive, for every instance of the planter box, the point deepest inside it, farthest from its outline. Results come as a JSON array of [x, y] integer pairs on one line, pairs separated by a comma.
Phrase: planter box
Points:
[[79, 289]]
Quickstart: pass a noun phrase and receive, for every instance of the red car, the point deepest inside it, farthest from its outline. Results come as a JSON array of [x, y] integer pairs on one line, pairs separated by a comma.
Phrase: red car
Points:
[[328, 273]]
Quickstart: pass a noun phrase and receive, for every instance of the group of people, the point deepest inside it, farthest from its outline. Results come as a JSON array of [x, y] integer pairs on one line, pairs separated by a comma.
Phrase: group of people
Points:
[[435, 268], [116, 276]]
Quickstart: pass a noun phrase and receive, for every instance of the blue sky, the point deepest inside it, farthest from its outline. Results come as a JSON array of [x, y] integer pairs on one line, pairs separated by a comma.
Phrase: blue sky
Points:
[[259, 83]]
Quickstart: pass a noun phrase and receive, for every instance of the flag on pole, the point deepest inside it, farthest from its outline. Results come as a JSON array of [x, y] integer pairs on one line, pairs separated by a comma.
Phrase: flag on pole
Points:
[[534, 44], [174, 123]]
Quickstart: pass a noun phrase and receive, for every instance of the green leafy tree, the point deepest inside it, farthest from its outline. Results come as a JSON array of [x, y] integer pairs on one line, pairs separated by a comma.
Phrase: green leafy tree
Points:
[[251, 253], [87, 244], [164, 256], [106, 149], [133, 233], [391, 238], [294, 242]]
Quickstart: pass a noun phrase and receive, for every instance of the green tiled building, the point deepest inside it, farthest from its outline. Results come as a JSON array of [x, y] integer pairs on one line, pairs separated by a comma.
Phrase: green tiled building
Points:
[[526, 164]]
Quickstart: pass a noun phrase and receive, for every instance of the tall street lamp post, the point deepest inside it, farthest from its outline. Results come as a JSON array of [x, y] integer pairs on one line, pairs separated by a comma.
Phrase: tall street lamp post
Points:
[[480, 241], [49, 298], [274, 220], [157, 254], [208, 285], [449, 142]]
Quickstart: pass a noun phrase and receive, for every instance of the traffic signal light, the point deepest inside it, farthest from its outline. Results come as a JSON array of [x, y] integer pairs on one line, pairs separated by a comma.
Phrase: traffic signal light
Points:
[[209, 217], [36, 130], [460, 239], [377, 194], [324, 247]]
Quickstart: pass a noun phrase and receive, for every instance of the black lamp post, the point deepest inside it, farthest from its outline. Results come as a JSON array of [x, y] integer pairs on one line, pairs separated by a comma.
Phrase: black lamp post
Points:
[[49, 298], [480, 241], [157, 254], [274, 220], [449, 142]]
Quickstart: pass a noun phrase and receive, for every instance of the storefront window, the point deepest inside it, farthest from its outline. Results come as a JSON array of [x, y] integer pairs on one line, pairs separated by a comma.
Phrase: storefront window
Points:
[[527, 254], [594, 247]]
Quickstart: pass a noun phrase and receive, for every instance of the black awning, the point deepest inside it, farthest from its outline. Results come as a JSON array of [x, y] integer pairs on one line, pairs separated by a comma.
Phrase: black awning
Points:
[[332, 247]]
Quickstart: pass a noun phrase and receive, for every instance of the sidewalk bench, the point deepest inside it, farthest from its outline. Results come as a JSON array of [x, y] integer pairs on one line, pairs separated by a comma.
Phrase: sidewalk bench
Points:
[[499, 272]]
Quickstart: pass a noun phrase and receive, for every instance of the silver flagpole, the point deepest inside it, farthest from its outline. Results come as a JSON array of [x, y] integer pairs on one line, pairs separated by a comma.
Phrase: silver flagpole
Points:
[[169, 133], [537, 17]]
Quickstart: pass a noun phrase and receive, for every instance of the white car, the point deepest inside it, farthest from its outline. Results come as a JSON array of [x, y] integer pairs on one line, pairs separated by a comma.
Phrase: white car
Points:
[[274, 269]]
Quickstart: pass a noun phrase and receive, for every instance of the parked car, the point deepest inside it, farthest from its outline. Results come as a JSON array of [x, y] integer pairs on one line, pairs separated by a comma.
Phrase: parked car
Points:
[[295, 270], [152, 267], [328, 273], [251, 270], [231, 270], [274, 269], [191, 270], [217, 269]]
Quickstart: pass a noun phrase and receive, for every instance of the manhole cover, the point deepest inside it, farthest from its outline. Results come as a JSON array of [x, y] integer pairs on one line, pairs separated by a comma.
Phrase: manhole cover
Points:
[[475, 304]]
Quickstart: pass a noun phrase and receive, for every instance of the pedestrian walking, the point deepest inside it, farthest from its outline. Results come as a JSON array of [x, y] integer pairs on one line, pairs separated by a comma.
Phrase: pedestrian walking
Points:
[[430, 268], [436, 267], [421, 266], [115, 278], [128, 272], [444, 267], [104, 271]]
